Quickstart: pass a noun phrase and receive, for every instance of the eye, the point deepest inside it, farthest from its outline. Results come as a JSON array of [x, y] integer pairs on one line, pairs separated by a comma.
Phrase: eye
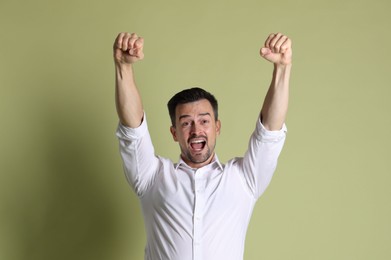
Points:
[[185, 124], [204, 121]]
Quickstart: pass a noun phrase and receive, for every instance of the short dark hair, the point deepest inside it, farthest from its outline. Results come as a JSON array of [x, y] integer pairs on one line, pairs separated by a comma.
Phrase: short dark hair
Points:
[[188, 96]]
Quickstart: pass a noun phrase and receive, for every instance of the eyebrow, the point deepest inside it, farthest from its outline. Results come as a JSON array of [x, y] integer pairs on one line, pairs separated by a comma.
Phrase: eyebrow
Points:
[[202, 114]]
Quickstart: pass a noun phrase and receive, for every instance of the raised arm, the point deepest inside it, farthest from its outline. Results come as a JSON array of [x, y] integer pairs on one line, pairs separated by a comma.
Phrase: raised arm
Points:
[[278, 50], [127, 49]]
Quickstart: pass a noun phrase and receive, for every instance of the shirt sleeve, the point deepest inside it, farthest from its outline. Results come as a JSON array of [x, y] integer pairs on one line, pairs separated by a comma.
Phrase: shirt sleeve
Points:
[[260, 160], [138, 156]]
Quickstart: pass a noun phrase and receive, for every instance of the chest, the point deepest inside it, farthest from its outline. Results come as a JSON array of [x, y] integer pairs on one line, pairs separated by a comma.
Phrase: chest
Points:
[[209, 194]]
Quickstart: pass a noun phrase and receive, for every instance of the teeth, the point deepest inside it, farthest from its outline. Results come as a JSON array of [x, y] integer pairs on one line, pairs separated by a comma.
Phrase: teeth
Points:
[[198, 141]]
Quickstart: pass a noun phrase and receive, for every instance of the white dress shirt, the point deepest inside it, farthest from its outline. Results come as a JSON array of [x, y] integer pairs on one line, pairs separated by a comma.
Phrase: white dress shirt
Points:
[[197, 214]]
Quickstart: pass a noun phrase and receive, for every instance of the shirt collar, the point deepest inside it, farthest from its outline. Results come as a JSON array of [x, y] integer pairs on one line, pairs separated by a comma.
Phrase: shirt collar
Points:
[[215, 161]]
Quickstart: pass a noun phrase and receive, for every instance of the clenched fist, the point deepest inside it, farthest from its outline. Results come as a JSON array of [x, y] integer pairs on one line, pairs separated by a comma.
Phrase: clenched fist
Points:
[[128, 48], [277, 49]]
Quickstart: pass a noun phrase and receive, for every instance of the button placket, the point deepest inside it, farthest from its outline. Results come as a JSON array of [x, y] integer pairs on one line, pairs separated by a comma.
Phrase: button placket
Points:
[[197, 217]]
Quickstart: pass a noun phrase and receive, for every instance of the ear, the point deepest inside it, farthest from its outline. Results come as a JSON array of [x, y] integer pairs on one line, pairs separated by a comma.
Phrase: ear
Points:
[[218, 127], [173, 133]]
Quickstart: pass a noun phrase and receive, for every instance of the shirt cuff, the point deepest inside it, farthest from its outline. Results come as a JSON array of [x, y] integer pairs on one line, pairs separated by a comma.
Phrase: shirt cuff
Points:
[[268, 136], [129, 133]]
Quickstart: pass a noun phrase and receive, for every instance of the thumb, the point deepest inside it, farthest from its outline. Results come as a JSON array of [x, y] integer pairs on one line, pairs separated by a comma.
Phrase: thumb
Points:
[[265, 52], [268, 55]]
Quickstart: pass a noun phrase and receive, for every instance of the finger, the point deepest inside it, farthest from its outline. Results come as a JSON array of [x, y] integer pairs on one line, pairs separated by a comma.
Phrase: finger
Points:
[[273, 42], [139, 43], [118, 40], [131, 43], [268, 40], [138, 47], [133, 38], [139, 54], [287, 45], [124, 44], [279, 43]]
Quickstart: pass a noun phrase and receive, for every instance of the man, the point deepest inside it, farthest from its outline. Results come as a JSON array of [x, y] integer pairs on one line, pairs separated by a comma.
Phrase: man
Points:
[[198, 208]]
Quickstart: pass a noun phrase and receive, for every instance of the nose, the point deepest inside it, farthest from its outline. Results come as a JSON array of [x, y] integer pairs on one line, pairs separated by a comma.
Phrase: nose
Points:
[[195, 129]]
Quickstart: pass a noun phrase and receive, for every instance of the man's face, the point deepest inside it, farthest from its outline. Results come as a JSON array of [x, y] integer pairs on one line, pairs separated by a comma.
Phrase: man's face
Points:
[[196, 131]]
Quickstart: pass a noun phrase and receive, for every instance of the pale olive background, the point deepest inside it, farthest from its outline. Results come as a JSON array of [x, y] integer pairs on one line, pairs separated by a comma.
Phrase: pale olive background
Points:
[[63, 194]]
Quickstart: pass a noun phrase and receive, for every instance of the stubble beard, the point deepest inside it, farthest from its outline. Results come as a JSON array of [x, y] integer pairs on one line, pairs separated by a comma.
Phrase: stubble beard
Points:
[[199, 158]]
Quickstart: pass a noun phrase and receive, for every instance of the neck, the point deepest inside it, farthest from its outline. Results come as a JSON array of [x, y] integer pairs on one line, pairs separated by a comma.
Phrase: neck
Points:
[[196, 165]]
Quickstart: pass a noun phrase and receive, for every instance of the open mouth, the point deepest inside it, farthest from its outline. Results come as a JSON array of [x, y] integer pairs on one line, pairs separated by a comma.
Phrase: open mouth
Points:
[[197, 145]]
